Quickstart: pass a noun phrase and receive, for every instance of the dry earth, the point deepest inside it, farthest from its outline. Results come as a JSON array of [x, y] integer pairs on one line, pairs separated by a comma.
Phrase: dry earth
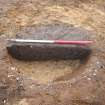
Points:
[[52, 82]]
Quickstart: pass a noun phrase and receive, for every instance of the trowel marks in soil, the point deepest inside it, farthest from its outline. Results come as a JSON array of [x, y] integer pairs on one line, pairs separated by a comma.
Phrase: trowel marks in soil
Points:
[[55, 31]]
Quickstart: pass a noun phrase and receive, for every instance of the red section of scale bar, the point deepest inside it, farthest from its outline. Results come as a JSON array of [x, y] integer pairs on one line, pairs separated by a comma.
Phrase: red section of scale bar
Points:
[[73, 42]]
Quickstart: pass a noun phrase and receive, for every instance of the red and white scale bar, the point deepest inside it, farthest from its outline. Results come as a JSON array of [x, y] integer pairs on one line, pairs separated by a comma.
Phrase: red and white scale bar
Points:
[[52, 41]]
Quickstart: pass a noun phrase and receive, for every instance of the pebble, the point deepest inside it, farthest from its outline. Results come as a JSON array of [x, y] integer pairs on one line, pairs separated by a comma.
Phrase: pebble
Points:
[[89, 79], [10, 75], [17, 78], [94, 74], [95, 70], [98, 62], [4, 101], [13, 68]]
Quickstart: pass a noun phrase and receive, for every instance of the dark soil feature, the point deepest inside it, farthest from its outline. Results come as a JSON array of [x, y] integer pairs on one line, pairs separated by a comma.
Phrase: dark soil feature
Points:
[[48, 52], [54, 31]]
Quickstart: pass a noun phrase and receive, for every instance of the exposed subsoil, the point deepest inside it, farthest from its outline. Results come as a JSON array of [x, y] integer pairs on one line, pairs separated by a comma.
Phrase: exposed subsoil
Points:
[[64, 82]]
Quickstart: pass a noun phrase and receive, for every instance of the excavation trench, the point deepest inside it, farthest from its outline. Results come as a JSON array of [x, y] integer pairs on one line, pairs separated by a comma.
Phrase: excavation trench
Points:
[[40, 68]]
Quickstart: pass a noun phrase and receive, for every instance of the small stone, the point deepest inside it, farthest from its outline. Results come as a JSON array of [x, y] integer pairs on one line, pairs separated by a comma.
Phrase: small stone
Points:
[[94, 74], [95, 70], [4, 101], [10, 75], [98, 62], [17, 78], [13, 68], [89, 79]]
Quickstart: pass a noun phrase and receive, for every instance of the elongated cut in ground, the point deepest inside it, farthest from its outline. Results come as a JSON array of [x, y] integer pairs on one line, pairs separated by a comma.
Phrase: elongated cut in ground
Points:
[[47, 51]]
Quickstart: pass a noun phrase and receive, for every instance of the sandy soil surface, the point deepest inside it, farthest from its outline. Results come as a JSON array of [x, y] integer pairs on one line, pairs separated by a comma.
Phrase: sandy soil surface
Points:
[[52, 82]]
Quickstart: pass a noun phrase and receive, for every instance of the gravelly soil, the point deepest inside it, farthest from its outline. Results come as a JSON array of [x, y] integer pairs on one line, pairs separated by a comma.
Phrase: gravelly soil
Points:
[[52, 82]]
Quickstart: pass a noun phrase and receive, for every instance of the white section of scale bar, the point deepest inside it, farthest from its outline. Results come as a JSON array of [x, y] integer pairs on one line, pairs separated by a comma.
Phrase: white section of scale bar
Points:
[[31, 41]]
